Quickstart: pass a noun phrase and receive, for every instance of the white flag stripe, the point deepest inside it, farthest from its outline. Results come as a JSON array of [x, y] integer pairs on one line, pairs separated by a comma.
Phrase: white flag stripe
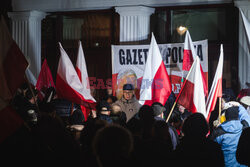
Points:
[[217, 76], [153, 63], [81, 65], [199, 98], [188, 44], [67, 72]]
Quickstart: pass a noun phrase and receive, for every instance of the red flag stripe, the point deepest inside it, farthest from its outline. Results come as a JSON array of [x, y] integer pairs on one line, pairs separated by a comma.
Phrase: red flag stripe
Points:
[[217, 93], [187, 60], [78, 71], [160, 93], [67, 92]]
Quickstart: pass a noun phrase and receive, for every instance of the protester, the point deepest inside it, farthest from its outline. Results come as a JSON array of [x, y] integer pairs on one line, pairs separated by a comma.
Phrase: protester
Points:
[[228, 134], [159, 110], [117, 115], [243, 148], [113, 146], [68, 111], [103, 111], [110, 99], [128, 102], [194, 148], [245, 101]]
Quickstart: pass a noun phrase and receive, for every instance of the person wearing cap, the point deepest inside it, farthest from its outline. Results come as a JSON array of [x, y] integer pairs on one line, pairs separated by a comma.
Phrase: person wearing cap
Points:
[[227, 135], [129, 104], [245, 101], [104, 111], [159, 110]]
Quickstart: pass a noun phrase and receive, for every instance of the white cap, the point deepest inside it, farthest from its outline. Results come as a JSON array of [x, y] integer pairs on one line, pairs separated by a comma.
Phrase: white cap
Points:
[[245, 100]]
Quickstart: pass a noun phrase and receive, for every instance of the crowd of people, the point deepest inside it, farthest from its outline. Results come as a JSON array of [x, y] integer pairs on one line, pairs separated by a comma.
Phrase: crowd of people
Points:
[[122, 132]]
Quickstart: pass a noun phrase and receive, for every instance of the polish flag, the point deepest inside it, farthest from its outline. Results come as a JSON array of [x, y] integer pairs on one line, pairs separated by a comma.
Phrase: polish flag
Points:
[[192, 95], [68, 84], [82, 73], [216, 88], [12, 71], [155, 86], [188, 59], [246, 23]]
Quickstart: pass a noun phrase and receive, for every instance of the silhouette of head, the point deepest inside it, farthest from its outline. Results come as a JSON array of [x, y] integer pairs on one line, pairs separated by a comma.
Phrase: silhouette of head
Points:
[[195, 126]]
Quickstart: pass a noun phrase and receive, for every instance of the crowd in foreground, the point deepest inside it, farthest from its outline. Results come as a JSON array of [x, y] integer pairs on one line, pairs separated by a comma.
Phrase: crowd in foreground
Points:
[[124, 133]]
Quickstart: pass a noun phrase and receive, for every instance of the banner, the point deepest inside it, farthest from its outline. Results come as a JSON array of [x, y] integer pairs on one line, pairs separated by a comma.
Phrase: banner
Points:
[[128, 63]]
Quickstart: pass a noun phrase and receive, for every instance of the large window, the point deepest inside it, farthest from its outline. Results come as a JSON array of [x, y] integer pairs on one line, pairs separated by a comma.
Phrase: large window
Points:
[[216, 23]]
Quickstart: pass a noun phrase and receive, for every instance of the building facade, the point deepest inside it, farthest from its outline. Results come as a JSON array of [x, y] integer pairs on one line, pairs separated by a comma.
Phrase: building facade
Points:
[[37, 26]]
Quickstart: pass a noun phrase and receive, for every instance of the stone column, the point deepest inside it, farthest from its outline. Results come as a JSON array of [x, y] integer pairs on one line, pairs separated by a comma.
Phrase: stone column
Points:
[[134, 22], [244, 46], [26, 31]]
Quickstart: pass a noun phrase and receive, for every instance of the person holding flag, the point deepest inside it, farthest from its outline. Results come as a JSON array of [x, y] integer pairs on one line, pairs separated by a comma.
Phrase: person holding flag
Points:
[[192, 96]]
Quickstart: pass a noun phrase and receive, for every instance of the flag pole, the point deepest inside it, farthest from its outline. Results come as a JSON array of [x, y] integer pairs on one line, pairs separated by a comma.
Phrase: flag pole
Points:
[[219, 109], [33, 95], [171, 111]]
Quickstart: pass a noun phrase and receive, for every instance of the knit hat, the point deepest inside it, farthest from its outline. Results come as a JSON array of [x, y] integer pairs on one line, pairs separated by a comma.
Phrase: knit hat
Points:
[[158, 108], [232, 113], [245, 100], [128, 87]]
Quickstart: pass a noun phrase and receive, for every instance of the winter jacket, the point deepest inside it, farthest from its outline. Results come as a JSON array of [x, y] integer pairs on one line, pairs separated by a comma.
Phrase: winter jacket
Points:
[[130, 107], [243, 114], [228, 139], [105, 118]]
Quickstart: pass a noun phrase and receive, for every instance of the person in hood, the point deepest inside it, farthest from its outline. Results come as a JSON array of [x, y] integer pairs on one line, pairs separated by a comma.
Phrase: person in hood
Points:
[[227, 135], [129, 104]]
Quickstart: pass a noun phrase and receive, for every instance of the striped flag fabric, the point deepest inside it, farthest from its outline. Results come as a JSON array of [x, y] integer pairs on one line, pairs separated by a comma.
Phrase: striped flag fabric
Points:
[[192, 95], [216, 88], [82, 73], [189, 55], [155, 86], [68, 84]]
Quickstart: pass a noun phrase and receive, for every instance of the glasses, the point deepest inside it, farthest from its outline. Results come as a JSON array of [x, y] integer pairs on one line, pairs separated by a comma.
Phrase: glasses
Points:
[[128, 92]]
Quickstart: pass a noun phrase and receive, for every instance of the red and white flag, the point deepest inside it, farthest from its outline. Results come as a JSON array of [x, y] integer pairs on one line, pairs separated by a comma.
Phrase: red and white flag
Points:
[[189, 55], [155, 86], [81, 70], [246, 23], [192, 95], [216, 88], [12, 70], [68, 84], [82, 73], [45, 79]]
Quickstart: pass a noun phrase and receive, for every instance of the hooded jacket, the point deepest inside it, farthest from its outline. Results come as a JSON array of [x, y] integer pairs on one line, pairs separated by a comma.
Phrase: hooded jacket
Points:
[[229, 141], [130, 107]]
